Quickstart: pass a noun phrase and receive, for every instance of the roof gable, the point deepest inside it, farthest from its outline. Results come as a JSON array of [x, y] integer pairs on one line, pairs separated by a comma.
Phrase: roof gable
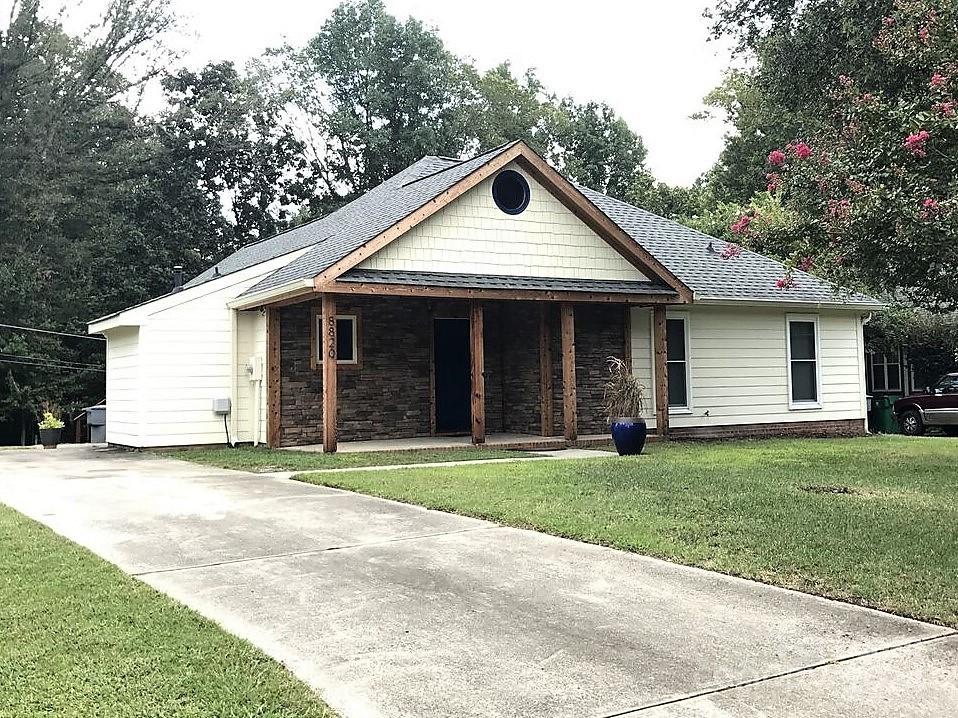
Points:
[[471, 235], [657, 247]]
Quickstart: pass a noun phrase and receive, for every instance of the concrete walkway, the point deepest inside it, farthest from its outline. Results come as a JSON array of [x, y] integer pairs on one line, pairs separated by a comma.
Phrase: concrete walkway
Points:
[[391, 610]]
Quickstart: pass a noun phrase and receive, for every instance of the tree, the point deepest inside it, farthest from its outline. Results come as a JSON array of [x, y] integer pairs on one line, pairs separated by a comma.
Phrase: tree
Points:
[[796, 48], [596, 148], [508, 108], [379, 94], [230, 138], [91, 220], [875, 187]]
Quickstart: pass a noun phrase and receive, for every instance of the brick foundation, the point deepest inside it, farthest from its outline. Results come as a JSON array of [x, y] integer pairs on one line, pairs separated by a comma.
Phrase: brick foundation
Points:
[[795, 429]]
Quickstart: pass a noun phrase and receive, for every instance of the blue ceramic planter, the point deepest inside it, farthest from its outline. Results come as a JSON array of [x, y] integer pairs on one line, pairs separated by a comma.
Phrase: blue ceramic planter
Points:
[[629, 435]]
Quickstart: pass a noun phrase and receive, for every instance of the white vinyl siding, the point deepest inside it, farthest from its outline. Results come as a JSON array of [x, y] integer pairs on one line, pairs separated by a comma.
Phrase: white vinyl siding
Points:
[[251, 342], [738, 363], [473, 236], [184, 357], [122, 386]]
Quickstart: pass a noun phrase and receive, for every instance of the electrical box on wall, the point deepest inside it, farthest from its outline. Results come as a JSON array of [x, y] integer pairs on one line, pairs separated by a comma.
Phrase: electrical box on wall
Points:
[[221, 407], [254, 368]]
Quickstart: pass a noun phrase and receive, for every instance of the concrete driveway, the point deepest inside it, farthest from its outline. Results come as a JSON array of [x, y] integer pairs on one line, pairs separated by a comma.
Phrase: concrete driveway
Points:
[[391, 610]]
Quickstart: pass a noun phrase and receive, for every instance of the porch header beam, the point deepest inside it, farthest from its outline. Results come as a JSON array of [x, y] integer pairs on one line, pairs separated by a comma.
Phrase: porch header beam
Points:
[[412, 290]]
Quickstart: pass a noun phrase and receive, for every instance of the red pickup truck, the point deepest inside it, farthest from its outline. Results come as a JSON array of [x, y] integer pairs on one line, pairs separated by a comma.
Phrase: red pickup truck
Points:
[[937, 407]]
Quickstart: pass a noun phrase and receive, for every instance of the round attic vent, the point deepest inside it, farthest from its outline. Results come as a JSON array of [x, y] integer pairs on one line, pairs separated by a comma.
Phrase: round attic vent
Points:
[[510, 192]]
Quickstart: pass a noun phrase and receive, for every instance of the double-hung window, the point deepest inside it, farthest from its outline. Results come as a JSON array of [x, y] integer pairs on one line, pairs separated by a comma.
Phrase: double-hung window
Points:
[[677, 362], [803, 370], [886, 372]]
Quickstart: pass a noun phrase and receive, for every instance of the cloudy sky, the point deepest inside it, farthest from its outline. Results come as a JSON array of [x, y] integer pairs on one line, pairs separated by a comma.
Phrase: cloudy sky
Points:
[[649, 59]]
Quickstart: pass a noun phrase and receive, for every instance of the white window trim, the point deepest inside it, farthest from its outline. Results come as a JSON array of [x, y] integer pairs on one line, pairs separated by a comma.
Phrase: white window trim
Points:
[[354, 319], [687, 408], [884, 364], [804, 405]]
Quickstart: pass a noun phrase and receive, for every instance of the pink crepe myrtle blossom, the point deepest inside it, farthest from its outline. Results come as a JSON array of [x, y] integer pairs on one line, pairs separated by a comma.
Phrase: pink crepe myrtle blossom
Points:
[[801, 150], [855, 186], [924, 34], [741, 225], [730, 251], [945, 108], [929, 209], [937, 80], [915, 143], [774, 181], [888, 21], [786, 282], [805, 263], [839, 209], [776, 158]]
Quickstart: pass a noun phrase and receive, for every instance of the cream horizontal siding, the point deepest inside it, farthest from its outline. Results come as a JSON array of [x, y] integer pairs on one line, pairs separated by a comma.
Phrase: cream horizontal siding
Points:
[[123, 386], [473, 236], [186, 360], [739, 366], [251, 341]]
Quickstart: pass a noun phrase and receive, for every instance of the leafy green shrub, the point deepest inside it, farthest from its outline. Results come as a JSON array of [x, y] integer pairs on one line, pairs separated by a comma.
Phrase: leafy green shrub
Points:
[[50, 421]]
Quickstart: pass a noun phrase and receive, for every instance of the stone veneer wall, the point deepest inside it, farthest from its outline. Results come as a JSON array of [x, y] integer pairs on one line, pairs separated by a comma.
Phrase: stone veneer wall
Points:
[[389, 394], [600, 333]]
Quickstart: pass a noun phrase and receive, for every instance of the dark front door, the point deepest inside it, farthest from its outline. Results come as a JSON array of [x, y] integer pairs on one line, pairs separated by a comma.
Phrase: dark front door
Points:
[[453, 376]]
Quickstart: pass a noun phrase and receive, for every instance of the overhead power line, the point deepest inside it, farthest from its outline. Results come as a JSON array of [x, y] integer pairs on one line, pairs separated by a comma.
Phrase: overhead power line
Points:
[[49, 365], [50, 331], [83, 365]]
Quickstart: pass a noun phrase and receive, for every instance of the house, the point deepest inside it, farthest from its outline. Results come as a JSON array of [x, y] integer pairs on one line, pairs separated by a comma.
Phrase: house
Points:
[[482, 297]]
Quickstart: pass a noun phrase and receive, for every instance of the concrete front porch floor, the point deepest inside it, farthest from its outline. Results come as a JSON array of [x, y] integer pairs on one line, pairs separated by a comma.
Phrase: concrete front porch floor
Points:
[[525, 442], [394, 611]]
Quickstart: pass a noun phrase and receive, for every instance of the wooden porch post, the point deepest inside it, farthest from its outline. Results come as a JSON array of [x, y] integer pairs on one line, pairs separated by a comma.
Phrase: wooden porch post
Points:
[[329, 373], [569, 416], [660, 350], [477, 361], [545, 370], [273, 374]]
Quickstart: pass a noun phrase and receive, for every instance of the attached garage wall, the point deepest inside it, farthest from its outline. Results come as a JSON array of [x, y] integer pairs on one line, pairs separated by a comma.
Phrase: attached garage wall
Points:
[[123, 386], [185, 358], [739, 366]]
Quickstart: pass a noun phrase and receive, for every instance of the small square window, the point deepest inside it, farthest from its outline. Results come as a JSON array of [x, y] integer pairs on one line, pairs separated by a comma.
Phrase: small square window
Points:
[[347, 339]]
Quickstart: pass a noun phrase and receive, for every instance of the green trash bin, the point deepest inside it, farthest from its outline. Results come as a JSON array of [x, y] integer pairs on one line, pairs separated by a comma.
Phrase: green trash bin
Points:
[[884, 415]]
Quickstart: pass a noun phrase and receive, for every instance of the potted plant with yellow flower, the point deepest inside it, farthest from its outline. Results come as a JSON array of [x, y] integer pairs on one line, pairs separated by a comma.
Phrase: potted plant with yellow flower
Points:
[[50, 430]]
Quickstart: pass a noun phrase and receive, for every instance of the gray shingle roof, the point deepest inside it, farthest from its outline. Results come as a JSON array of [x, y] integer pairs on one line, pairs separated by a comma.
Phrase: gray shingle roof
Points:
[[492, 281], [683, 251], [375, 212], [348, 218]]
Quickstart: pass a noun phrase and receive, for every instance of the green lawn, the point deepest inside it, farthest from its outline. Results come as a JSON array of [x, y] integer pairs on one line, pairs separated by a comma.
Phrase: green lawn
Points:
[[80, 638], [871, 520], [261, 459]]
